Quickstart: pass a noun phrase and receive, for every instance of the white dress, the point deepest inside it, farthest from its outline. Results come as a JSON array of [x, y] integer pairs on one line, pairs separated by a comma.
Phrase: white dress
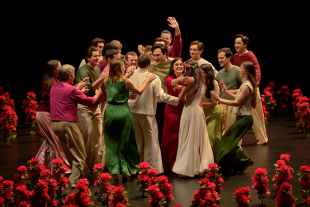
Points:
[[194, 149]]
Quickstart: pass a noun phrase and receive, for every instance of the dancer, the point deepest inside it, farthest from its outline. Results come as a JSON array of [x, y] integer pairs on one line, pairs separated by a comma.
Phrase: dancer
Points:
[[175, 49], [196, 49], [194, 149], [231, 77], [63, 101], [119, 48], [97, 43], [232, 157], [211, 109], [102, 64], [51, 147], [160, 67], [131, 60], [122, 154], [89, 117], [169, 141], [243, 54], [143, 110]]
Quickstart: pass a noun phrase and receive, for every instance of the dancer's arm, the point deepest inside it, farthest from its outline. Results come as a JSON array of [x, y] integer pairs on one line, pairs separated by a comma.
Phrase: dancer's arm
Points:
[[227, 94], [130, 86], [245, 91]]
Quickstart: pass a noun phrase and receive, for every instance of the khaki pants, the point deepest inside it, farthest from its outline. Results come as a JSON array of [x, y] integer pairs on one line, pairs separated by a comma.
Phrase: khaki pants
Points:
[[71, 140], [146, 131], [228, 118], [258, 120], [102, 141], [90, 123]]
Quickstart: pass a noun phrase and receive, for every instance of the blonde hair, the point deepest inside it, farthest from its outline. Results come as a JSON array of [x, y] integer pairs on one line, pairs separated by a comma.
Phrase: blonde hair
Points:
[[117, 44], [116, 71]]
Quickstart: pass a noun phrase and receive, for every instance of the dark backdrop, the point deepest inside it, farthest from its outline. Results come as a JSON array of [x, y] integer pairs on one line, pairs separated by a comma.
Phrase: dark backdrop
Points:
[[36, 33]]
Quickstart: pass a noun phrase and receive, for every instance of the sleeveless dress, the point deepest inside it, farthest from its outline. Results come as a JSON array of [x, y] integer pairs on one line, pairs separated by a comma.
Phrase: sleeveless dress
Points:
[[122, 153], [170, 136], [232, 157], [194, 149]]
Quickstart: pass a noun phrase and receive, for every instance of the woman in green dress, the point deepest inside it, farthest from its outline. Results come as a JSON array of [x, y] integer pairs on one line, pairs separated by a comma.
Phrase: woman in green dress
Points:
[[232, 157], [211, 109], [122, 153]]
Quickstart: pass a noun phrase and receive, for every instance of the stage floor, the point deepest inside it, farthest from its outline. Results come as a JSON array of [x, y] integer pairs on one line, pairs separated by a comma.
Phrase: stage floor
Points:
[[283, 139]]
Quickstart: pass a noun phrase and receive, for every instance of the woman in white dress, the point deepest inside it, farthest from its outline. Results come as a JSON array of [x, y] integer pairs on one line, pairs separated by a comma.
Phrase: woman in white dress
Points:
[[194, 149]]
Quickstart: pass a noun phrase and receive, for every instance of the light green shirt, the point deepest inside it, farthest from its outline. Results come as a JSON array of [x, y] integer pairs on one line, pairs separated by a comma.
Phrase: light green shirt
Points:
[[231, 78], [161, 71]]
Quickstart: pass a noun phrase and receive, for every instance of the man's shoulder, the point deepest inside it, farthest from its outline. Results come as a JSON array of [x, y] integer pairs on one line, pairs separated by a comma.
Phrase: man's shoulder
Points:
[[235, 68]]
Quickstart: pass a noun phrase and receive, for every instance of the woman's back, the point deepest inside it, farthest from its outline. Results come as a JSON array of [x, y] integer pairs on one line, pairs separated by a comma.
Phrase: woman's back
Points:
[[116, 92]]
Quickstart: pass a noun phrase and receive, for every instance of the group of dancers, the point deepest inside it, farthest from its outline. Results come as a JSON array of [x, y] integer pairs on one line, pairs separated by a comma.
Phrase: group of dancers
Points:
[[178, 116]]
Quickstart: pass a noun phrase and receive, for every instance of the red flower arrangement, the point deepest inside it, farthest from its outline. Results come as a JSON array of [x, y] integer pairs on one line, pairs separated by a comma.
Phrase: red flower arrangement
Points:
[[31, 106], [155, 196], [205, 195], [8, 118], [308, 200], [21, 178], [59, 176], [302, 114], [242, 196], [296, 93], [6, 192], [214, 177], [103, 184], [260, 181], [285, 196], [284, 94], [165, 190], [23, 195], [117, 196], [145, 173], [304, 181], [283, 171], [268, 102], [80, 198]]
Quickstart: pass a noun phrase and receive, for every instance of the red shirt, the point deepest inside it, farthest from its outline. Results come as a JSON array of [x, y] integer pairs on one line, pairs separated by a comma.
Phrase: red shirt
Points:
[[64, 99], [102, 64], [175, 49], [249, 56], [44, 104]]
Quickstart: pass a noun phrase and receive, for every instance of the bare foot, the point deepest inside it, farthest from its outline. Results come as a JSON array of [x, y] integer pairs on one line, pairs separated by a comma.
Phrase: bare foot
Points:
[[261, 143], [182, 176], [99, 152], [246, 167], [73, 186]]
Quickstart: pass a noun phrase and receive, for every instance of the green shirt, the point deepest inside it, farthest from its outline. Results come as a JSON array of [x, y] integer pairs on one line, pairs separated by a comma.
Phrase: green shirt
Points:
[[231, 78], [161, 71], [93, 74]]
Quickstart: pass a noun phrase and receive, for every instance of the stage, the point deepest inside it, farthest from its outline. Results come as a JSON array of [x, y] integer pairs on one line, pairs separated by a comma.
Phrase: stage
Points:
[[283, 139]]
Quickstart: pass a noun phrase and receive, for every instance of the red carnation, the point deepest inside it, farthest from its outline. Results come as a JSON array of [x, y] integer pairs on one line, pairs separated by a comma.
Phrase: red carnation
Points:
[[98, 166], [22, 169], [144, 165], [285, 157]]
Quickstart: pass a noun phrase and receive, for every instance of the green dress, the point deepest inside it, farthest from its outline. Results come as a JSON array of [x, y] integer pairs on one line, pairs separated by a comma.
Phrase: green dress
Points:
[[122, 154], [232, 157]]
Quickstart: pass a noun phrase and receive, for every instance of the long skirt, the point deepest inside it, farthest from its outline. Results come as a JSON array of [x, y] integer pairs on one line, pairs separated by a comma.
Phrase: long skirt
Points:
[[51, 147], [232, 157], [214, 126]]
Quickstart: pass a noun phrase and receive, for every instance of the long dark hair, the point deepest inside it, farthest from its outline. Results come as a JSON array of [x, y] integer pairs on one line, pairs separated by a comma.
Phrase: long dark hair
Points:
[[250, 68], [171, 71], [48, 76], [207, 68], [193, 70]]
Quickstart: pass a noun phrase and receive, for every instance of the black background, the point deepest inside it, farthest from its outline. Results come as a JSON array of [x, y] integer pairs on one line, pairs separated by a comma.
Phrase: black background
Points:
[[33, 33]]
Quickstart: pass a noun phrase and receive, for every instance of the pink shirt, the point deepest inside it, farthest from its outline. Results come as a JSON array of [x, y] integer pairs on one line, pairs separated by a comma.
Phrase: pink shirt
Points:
[[175, 49], [249, 56], [63, 102], [104, 75], [102, 65]]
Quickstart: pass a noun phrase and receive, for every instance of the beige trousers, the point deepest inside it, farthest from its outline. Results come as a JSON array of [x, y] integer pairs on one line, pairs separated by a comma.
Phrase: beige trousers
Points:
[[90, 123], [258, 120], [146, 131], [51, 147], [72, 143], [228, 118]]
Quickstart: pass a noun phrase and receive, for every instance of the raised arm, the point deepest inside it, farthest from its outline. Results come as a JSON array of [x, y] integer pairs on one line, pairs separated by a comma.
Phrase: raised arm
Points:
[[177, 41], [130, 86]]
